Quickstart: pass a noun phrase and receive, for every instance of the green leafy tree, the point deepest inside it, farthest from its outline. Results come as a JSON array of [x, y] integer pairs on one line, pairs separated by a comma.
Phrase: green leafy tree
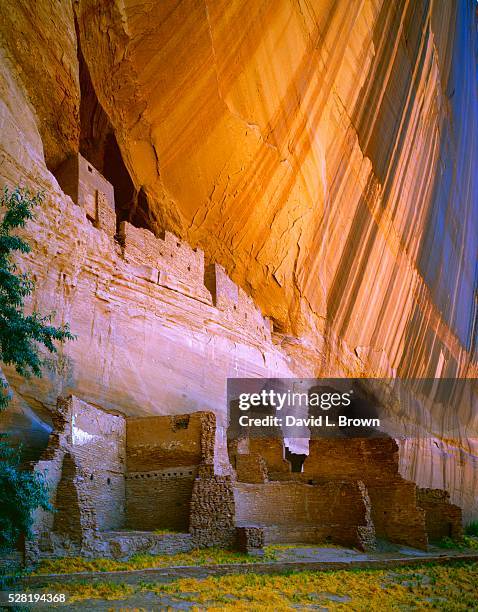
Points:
[[21, 336]]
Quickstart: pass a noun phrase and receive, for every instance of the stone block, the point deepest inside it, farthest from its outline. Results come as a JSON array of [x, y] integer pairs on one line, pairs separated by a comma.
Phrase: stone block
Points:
[[250, 539]]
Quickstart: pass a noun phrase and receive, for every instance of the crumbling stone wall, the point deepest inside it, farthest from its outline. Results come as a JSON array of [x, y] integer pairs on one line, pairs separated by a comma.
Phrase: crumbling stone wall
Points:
[[69, 518], [373, 460], [442, 518], [259, 459], [177, 265], [98, 447], [85, 464], [234, 301], [152, 473], [166, 260], [399, 512], [172, 263], [272, 451], [157, 500], [213, 515], [250, 539], [161, 442], [108, 473], [163, 457], [395, 510], [298, 512], [396, 514]]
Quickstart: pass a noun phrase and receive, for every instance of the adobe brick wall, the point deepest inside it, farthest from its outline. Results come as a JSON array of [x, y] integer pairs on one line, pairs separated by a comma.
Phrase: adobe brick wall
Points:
[[235, 303], [258, 460], [442, 518], [396, 514], [179, 266], [105, 216], [395, 510], [89, 452], [159, 500], [298, 512], [163, 457], [372, 460], [161, 442], [108, 473], [272, 452], [250, 468], [172, 263], [85, 465], [90, 190]]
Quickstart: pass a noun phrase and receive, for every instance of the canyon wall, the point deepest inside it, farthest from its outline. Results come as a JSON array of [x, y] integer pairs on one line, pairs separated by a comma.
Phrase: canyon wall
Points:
[[322, 153]]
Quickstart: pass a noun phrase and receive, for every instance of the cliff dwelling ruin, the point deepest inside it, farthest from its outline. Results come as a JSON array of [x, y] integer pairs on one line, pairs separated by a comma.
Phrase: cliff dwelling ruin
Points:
[[127, 485], [124, 484]]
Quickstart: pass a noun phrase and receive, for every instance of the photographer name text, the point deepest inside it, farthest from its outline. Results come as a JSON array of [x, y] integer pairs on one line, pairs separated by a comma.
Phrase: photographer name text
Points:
[[292, 421]]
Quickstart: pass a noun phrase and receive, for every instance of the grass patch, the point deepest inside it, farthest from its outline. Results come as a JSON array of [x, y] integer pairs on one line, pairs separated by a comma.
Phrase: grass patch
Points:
[[165, 532], [445, 587], [442, 587], [472, 529], [79, 591], [468, 543], [208, 556]]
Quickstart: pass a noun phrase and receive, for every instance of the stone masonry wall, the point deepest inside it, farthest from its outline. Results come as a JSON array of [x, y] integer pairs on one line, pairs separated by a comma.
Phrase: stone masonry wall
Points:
[[298, 512], [395, 510], [372, 460], [159, 500], [161, 442], [98, 446], [172, 263], [234, 302], [85, 464], [90, 190], [442, 518], [259, 459], [166, 260], [108, 474], [179, 267], [163, 457], [213, 514], [396, 514]]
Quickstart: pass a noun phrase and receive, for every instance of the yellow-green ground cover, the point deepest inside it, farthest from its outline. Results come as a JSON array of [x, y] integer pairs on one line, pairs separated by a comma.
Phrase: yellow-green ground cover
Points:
[[452, 587], [209, 556]]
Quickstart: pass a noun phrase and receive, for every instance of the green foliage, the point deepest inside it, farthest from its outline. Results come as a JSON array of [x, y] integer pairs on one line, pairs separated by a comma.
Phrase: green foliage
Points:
[[447, 542], [468, 542], [20, 334], [21, 492], [472, 529]]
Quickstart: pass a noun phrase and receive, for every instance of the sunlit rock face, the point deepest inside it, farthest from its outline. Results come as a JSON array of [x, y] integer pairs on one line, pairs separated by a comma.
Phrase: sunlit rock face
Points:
[[40, 40], [324, 153]]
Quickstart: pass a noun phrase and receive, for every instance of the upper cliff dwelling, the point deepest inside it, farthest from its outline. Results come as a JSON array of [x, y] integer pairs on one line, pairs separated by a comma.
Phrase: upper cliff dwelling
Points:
[[98, 144]]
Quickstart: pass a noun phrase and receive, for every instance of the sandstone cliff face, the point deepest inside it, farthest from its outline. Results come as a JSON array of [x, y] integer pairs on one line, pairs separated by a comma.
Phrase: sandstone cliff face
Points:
[[311, 149], [322, 152]]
